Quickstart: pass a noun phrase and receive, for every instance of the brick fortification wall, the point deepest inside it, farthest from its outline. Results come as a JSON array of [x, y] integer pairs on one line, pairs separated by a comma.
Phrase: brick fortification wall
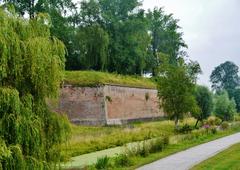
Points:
[[108, 104]]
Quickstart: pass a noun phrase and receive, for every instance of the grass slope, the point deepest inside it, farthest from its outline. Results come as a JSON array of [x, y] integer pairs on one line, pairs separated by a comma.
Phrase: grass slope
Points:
[[94, 78], [226, 160]]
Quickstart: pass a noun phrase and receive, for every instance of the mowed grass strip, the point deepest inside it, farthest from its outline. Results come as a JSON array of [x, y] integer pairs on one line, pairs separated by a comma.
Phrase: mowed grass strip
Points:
[[226, 160], [94, 78]]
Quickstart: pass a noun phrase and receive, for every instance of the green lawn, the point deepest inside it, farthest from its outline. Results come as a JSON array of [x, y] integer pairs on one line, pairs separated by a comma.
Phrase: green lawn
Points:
[[94, 78], [87, 139], [226, 160]]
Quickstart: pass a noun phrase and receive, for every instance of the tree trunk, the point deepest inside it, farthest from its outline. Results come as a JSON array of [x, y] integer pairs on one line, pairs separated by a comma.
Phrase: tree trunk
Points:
[[196, 123], [176, 122], [31, 9]]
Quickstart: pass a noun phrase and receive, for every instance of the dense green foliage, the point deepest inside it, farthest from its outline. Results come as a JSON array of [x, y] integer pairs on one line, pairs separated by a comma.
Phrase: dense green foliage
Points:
[[34, 7], [117, 36], [164, 37], [175, 90], [236, 97], [31, 64], [204, 100], [93, 47], [225, 77], [224, 107], [131, 49], [94, 78]]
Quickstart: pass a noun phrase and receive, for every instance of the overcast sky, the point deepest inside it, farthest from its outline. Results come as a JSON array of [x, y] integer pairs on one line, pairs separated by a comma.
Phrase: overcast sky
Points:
[[211, 30]]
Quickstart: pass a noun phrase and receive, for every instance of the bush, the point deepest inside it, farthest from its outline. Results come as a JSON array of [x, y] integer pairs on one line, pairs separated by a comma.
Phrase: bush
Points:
[[206, 127], [144, 149], [102, 163], [224, 107], [204, 101], [156, 145], [237, 118], [213, 121], [165, 140], [235, 126], [122, 160], [198, 133], [224, 126], [185, 129], [213, 129], [147, 147]]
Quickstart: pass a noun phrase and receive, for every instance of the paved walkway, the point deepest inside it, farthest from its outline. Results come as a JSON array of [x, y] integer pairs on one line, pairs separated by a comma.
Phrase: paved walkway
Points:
[[185, 160]]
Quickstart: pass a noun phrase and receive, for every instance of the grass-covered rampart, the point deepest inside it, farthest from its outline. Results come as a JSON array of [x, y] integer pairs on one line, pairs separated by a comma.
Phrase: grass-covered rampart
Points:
[[94, 78]]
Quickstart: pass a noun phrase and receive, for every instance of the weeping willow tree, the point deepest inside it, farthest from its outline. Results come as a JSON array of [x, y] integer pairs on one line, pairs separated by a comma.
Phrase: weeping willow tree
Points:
[[93, 47], [31, 64]]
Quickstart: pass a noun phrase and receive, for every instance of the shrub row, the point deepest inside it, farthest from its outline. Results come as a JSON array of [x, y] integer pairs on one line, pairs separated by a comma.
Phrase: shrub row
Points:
[[143, 149]]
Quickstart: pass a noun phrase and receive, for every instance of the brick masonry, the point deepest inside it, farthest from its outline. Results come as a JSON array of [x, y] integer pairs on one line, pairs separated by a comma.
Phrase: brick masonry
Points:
[[108, 104]]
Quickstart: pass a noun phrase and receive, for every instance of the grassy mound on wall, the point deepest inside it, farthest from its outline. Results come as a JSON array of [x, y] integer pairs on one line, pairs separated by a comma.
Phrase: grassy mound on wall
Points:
[[94, 78]]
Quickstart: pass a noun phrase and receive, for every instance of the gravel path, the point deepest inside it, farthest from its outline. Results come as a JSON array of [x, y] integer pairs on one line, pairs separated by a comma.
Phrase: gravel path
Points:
[[185, 160]]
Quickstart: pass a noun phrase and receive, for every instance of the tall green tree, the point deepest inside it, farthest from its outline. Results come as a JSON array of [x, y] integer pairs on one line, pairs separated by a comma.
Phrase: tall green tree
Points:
[[31, 64], [225, 77], [131, 47], [90, 13], [118, 10], [204, 100], [93, 47], [89, 46], [165, 36], [33, 7], [236, 97], [225, 108], [62, 14], [175, 90], [129, 39]]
